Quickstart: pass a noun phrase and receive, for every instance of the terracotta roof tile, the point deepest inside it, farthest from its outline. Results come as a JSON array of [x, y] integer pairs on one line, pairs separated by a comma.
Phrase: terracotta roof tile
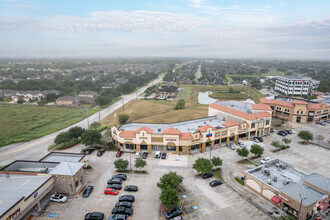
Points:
[[276, 102], [240, 114], [144, 128], [205, 127], [171, 131], [127, 134], [186, 136], [299, 102], [261, 106], [230, 123]]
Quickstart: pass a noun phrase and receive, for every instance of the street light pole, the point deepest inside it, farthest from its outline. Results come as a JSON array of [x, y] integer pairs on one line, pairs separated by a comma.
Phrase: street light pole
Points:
[[122, 98], [87, 118], [99, 114], [130, 161], [301, 200]]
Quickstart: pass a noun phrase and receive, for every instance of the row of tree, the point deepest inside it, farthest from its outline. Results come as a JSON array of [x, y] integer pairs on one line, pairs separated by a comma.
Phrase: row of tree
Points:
[[256, 149], [169, 186]]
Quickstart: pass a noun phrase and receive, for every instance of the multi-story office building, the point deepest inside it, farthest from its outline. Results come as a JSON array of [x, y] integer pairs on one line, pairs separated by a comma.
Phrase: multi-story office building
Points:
[[296, 85]]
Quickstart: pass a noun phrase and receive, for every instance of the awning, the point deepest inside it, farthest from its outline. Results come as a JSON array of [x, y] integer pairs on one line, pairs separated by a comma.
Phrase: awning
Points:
[[276, 199]]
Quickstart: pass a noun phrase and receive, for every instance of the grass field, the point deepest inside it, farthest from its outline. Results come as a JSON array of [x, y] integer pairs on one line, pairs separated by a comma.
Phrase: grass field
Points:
[[23, 123], [156, 112], [190, 93]]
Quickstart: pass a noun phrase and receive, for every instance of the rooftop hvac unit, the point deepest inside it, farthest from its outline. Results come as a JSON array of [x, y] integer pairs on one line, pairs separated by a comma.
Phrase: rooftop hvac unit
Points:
[[269, 182], [44, 169], [286, 181], [159, 130], [267, 172], [275, 178]]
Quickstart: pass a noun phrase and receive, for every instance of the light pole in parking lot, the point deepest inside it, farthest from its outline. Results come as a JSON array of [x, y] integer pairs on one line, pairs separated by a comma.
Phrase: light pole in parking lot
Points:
[[130, 161]]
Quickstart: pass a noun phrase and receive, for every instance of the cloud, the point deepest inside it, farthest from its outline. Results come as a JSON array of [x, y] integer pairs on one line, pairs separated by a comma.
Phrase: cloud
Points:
[[136, 21]]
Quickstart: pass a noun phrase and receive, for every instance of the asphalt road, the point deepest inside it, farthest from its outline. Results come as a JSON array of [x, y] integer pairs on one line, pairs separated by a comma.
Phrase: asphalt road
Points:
[[34, 149]]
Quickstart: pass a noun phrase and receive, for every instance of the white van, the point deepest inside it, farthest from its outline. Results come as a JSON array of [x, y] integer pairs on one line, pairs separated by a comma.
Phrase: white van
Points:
[[137, 154], [157, 154]]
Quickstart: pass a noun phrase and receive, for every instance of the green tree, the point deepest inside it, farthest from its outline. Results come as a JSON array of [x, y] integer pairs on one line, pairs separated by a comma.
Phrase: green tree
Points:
[[216, 161], [171, 179], [169, 196], [76, 132], [90, 137], [51, 97], [139, 163], [306, 136], [122, 118], [276, 144], [257, 150], [121, 164], [95, 125], [203, 165], [20, 100], [255, 83], [286, 141], [243, 152], [319, 138], [180, 104], [62, 138]]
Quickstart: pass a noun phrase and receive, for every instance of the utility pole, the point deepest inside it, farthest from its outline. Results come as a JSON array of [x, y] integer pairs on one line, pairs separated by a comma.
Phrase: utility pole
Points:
[[99, 114], [301, 200], [210, 152], [122, 98], [87, 118]]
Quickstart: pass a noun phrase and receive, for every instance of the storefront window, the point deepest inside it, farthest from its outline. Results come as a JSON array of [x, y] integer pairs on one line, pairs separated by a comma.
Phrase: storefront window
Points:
[[289, 210], [171, 148]]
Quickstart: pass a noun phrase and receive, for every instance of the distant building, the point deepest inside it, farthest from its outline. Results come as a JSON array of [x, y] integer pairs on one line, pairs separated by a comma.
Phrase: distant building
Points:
[[168, 90], [87, 97], [204, 82], [69, 101], [296, 110], [296, 85], [289, 189]]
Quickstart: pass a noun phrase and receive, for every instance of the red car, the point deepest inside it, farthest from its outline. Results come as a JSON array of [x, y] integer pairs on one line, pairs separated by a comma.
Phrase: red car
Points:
[[111, 191], [119, 153]]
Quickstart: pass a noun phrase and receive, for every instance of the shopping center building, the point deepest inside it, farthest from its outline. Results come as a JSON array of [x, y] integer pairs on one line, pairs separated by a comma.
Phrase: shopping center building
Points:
[[227, 122], [290, 190], [296, 110]]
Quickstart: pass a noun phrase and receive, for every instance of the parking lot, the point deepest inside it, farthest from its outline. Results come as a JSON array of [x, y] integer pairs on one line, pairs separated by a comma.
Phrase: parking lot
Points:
[[201, 201]]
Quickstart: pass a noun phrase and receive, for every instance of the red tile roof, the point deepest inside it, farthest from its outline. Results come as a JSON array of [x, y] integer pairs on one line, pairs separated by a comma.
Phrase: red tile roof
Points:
[[261, 106], [237, 113], [205, 127], [299, 102], [171, 131], [230, 123], [144, 128], [317, 106], [318, 93], [186, 136], [276, 102], [127, 134]]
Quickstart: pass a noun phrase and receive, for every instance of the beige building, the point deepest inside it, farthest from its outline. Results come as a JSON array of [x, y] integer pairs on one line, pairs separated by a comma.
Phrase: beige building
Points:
[[289, 189], [69, 101], [187, 137], [294, 110]]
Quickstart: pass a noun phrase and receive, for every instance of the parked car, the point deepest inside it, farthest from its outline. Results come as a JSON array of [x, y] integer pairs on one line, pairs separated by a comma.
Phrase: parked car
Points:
[[115, 186], [58, 198], [118, 217], [144, 155], [255, 139], [265, 160], [89, 150], [215, 183], [137, 154], [285, 132], [120, 176], [321, 123], [126, 198], [173, 213], [260, 139], [327, 121], [124, 204], [94, 216], [157, 154], [271, 130], [281, 133], [240, 144], [122, 210], [231, 146], [119, 153], [88, 191], [177, 218], [111, 191], [207, 175], [115, 181], [163, 156], [100, 152], [131, 188]]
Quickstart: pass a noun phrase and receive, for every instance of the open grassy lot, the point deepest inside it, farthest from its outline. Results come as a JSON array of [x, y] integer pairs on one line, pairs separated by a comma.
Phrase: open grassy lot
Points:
[[156, 111], [23, 123], [190, 93]]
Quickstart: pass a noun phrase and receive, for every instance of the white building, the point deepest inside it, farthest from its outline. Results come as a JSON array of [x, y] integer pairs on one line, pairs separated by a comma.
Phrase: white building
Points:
[[296, 85]]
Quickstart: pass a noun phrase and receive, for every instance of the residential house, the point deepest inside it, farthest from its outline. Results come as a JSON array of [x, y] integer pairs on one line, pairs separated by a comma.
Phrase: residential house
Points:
[[69, 101], [168, 90], [87, 97]]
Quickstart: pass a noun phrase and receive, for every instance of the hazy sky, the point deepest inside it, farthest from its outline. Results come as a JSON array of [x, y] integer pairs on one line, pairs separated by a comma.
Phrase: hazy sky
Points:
[[193, 28]]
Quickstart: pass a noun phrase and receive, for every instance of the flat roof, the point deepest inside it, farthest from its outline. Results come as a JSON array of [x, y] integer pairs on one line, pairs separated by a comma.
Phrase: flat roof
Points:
[[184, 126], [67, 168], [239, 106], [295, 77], [30, 166], [62, 157], [15, 187]]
